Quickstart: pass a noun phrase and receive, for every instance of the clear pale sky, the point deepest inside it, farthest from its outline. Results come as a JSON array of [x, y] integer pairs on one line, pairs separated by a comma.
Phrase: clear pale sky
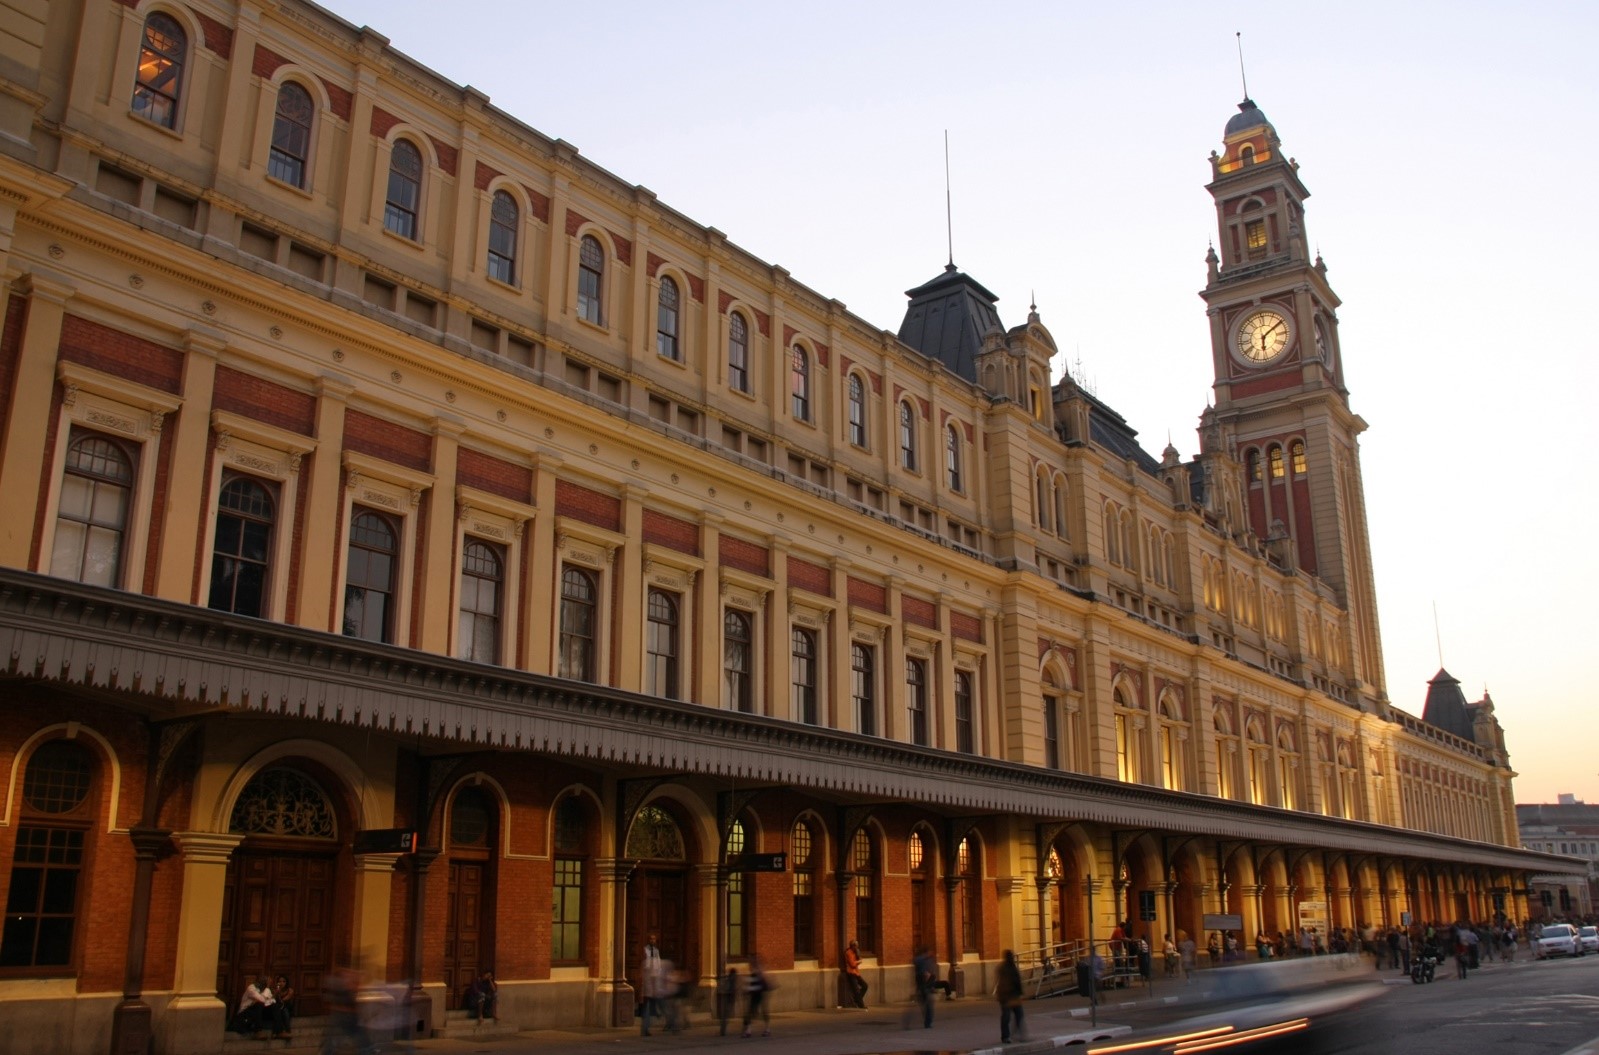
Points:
[[1452, 151]]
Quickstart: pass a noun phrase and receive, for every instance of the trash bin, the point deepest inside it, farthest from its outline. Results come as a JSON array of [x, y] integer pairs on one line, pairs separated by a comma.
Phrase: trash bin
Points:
[[1085, 980]]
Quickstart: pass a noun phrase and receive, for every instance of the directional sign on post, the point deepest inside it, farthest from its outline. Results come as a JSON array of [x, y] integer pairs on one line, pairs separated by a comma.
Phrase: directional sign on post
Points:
[[758, 862], [385, 841]]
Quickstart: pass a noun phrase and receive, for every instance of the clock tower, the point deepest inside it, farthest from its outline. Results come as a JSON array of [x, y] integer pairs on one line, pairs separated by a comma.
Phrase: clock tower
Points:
[[1281, 407]]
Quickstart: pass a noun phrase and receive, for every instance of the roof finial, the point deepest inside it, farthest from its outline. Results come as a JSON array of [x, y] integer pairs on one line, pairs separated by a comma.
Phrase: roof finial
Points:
[[949, 223], [1241, 75]]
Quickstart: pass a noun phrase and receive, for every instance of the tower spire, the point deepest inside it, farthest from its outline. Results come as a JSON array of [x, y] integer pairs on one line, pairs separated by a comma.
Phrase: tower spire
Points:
[[949, 222], [1242, 76]]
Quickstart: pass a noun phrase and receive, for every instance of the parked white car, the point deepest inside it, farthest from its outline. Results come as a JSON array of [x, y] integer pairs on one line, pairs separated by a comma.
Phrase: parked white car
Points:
[[1558, 939], [1589, 937]]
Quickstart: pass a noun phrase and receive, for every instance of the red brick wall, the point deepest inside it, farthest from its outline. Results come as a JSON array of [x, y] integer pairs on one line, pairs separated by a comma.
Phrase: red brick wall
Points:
[[494, 475], [121, 354], [869, 595], [672, 532], [589, 506], [966, 627], [806, 575], [372, 436], [262, 400], [918, 612], [744, 556]]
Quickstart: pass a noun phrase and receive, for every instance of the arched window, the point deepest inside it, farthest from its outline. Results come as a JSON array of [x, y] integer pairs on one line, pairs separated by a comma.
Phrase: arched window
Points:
[[159, 87], [738, 899], [1255, 735], [1297, 455], [965, 724], [857, 410], [1173, 766], [404, 200], [1113, 534], [738, 654], [952, 457], [591, 281], [802, 858], [666, 320], [579, 600], [42, 903], [738, 353], [1288, 768], [916, 699], [371, 563], [800, 383], [92, 512], [505, 221], [1043, 507], [482, 583], [863, 688], [661, 663], [291, 135], [805, 675], [241, 553], [1252, 466], [1226, 756], [969, 866], [1062, 492], [921, 869], [907, 436], [863, 863], [472, 819], [573, 842], [1127, 753], [1275, 456]]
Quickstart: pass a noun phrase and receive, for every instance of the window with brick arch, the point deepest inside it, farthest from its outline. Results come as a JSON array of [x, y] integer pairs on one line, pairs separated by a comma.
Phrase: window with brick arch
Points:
[[857, 410], [738, 353], [738, 656], [505, 222], [863, 865], [403, 203], [572, 853], [661, 662], [591, 280], [92, 513], [738, 896], [158, 89], [241, 552], [802, 858], [291, 135], [43, 895], [921, 863], [805, 675], [666, 321]]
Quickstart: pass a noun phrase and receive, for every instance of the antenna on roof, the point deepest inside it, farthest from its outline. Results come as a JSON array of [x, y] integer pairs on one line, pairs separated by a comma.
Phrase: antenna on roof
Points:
[[1241, 75], [949, 223], [1436, 633]]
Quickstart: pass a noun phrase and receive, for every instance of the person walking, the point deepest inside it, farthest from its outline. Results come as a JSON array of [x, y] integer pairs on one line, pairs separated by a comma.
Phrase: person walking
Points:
[[755, 998], [1189, 952], [654, 980], [1008, 991], [339, 989], [926, 971], [727, 991], [852, 975]]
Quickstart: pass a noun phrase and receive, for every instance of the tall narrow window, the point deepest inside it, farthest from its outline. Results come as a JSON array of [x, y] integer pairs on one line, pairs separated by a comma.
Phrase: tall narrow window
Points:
[[971, 873], [159, 87], [738, 900], [863, 863], [952, 457], [482, 584], [1252, 466], [1275, 456], [571, 848], [47, 862], [372, 561], [505, 220], [661, 663], [404, 200], [738, 653], [857, 410], [243, 546], [291, 135], [579, 598], [1255, 235], [1297, 450], [1171, 763], [590, 280], [801, 384], [907, 436], [965, 727], [738, 353], [802, 858], [666, 317], [804, 675], [1052, 732], [92, 513], [916, 699], [863, 688], [1042, 507]]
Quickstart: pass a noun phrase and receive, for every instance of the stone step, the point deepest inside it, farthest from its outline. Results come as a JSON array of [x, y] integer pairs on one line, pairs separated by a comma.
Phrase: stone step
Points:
[[463, 1025]]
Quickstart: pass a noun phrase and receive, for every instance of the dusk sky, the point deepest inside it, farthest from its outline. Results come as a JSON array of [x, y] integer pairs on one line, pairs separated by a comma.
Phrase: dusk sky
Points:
[[1452, 152]]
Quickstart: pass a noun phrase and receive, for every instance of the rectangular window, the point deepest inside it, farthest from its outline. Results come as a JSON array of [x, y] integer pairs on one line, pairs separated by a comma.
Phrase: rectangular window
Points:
[[482, 585], [916, 700], [863, 690], [804, 915], [965, 738], [1052, 732], [737, 932], [42, 899], [566, 913], [804, 676], [738, 654], [1255, 234]]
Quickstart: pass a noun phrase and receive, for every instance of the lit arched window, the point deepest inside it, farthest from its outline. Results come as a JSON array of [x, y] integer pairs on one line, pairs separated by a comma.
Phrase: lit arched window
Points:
[[1297, 455], [969, 865], [404, 201], [801, 384], [1252, 466], [505, 220], [802, 858], [590, 280], [857, 410], [738, 353], [1275, 455], [738, 899], [863, 863], [666, 320], [291, 135], [159, 87]]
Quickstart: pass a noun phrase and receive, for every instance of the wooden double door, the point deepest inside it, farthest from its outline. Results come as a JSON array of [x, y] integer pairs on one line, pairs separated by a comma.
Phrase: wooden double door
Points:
[[657, 903], [468, 925], [278, 917]]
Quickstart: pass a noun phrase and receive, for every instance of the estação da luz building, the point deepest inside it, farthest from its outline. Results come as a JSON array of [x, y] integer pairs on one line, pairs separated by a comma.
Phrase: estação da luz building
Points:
[[374, 462]]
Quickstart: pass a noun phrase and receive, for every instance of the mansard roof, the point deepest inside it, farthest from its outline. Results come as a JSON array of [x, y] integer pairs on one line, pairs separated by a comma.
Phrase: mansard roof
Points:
[[1446, 707], [948, 318]]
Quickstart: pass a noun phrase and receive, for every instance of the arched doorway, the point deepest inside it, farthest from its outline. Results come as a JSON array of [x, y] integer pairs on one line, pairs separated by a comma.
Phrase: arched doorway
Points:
[[661, 901], [1068, 921], [924, 913], [469, 910], [282, 894]]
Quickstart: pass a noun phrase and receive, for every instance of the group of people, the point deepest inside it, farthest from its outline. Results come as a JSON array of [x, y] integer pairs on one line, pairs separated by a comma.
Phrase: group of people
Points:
[[266, 1004], [667, 988]]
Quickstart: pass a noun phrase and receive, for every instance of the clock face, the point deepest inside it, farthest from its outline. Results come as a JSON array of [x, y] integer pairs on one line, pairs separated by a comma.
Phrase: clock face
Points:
[[1263, 335]]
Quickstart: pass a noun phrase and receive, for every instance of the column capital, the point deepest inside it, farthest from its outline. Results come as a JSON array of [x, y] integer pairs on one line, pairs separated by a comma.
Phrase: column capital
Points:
[[206, 847]]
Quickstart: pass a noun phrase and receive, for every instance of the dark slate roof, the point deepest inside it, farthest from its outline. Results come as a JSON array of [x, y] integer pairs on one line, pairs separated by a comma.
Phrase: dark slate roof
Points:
[[1110, 430], [947, 320], [1446, 707], [1248, 116]]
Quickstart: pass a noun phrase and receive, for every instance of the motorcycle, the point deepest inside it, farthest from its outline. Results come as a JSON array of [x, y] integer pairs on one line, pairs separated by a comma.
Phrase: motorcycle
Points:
[[1423, 966]]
